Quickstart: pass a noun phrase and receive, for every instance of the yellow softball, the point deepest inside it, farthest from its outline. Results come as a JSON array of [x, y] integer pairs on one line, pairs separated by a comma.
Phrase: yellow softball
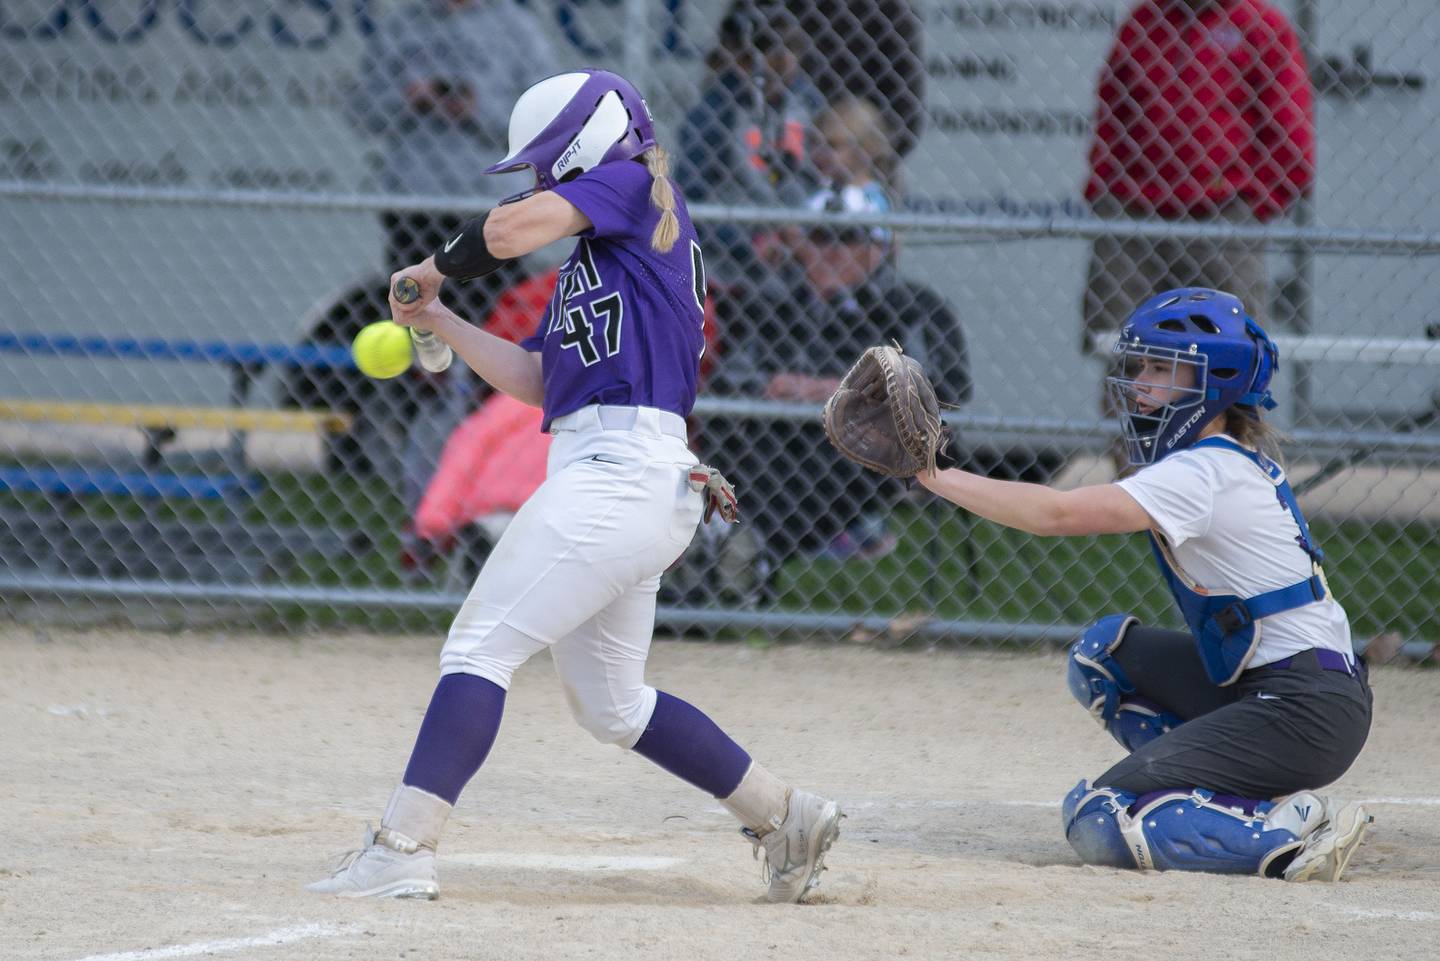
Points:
[[382, 350]]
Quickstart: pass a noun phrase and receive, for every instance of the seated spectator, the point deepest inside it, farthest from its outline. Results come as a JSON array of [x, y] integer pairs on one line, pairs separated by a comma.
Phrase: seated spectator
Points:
[[744, 141], [854, 145], [792, 340], [871, 49]]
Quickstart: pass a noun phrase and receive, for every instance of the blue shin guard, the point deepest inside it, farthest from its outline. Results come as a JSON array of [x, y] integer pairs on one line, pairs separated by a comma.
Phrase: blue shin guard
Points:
[[1184, 830], [1102, 688]]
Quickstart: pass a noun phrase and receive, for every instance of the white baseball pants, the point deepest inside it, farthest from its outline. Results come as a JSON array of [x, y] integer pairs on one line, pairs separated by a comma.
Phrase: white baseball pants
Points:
[[578, 568]]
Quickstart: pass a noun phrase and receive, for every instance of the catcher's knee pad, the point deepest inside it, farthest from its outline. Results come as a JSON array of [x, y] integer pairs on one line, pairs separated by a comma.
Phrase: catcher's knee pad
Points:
[[1101, 687], [1186, 830], [611, 718]]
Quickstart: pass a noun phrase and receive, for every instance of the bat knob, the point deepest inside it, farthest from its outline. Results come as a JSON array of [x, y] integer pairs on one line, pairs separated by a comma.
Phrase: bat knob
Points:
[[407, 290]]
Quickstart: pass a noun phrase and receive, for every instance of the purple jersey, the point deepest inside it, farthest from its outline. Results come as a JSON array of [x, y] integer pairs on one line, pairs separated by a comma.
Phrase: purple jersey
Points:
[[625, 324]]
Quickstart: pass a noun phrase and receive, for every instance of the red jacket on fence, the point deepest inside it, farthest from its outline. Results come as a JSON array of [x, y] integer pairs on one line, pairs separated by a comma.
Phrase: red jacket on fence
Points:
[[1201, 102]]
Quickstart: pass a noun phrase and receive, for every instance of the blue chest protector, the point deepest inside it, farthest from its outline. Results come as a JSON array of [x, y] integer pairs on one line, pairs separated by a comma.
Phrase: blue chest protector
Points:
[[1224, 625]]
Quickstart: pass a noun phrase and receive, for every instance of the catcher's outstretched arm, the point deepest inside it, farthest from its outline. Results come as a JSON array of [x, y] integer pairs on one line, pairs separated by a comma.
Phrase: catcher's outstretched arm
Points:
[[1036, 509]]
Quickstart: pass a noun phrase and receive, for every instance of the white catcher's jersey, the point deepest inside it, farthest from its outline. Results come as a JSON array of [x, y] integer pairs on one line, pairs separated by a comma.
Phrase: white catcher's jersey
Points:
[[1230, 533]]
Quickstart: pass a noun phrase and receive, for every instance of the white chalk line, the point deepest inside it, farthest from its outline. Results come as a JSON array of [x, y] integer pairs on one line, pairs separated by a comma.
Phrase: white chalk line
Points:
[[1389, 914], [277, 937], [565, 862]]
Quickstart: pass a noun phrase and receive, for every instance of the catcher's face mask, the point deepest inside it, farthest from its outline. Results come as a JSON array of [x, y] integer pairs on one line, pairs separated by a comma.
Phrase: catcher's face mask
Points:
[[1153, 389]]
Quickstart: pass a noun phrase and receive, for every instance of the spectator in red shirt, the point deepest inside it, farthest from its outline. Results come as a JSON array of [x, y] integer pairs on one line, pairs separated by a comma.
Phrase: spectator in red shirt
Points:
[[1205, 114]]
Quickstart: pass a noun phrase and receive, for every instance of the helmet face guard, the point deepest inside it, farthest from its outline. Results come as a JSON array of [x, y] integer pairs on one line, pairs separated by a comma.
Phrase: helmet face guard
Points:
[[573, 122], [1217, 358], [1155, 412]]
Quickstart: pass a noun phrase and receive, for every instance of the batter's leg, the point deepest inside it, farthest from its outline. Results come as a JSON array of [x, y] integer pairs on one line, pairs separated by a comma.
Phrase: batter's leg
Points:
[[602, 667]]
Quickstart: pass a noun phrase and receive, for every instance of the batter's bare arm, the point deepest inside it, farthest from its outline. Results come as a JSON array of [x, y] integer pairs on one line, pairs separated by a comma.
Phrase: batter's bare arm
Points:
[[514, 230], [505, 366], [1098, 509]]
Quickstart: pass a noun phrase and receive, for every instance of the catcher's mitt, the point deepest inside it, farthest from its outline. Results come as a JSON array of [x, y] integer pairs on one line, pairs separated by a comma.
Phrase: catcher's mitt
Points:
[[885, 416]]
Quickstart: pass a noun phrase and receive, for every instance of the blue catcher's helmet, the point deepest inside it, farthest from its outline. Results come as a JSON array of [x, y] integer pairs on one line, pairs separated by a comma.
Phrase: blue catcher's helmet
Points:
[[1217, 357]]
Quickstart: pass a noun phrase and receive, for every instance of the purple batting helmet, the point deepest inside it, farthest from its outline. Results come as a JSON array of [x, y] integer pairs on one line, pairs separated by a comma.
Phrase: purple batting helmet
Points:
[[573, 122]]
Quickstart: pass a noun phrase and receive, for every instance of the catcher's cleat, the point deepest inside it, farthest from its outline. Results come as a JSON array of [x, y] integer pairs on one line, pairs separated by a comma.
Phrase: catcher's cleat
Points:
[[795, 851], [379, 870], [1327, 850]]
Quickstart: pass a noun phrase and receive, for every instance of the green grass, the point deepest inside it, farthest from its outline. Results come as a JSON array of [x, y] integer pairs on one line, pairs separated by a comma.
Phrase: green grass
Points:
[[943, 566], [1380, 572]]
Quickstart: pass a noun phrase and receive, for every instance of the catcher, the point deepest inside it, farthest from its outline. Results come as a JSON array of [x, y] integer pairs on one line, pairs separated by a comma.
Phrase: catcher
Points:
[[1231, 726]]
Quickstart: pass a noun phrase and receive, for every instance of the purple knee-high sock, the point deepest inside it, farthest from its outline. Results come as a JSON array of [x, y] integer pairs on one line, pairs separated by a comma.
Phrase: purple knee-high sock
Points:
[[456, 735], [682, 740]]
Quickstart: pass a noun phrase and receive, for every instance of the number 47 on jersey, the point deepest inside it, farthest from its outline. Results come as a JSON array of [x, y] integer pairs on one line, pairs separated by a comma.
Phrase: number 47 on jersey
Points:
[[595, 325]]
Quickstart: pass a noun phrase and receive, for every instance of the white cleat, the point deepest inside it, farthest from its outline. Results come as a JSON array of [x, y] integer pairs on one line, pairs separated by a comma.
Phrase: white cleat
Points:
[[1328, 849], [795, 851], [382, 868]]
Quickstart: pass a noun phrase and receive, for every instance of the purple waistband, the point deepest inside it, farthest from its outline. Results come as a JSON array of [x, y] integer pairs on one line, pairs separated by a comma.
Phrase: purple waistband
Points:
[[1327, 660]]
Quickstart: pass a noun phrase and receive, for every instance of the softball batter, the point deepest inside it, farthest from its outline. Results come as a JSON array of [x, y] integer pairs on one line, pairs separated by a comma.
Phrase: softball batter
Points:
[[614, 365], [1230, 726]]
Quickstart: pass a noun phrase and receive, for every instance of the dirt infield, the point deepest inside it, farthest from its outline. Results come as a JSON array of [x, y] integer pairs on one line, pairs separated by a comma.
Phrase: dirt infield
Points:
[[167, 796]]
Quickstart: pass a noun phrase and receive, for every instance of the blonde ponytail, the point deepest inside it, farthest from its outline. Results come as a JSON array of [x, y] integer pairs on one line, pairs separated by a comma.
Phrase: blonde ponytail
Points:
[[662, 195]]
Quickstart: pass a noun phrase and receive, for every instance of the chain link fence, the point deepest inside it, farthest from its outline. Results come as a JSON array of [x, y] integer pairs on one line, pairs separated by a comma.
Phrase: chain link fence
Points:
[[201, 203]]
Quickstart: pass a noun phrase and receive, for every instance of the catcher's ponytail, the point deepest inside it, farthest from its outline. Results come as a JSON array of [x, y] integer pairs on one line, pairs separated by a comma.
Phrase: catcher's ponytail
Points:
[[1246, 425], [662, 195]]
